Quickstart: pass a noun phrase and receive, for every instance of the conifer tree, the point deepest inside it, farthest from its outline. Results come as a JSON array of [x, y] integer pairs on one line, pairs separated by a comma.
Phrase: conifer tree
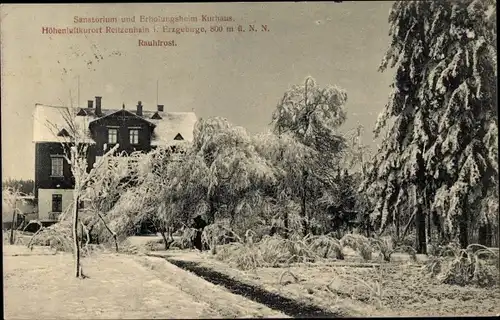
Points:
[[440, 152]]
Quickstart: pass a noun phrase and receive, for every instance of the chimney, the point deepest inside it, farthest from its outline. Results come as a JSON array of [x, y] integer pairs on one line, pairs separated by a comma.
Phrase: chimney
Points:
[[160, 107], [98, 106], [139, 108], [90, 104]]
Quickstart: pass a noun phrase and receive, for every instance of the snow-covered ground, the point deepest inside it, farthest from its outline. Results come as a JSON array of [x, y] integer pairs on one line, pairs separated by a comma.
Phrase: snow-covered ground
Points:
[[42, 286]]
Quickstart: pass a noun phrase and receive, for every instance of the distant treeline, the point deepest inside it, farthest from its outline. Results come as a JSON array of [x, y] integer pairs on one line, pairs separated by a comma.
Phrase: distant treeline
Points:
[[24, 186]]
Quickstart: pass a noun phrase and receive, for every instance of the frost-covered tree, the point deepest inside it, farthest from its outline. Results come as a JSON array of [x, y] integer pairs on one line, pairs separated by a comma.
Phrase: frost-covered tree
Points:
[[10, 196], [286, 157], [117, 173], [440, 153], [237, 174], [76, 153], [464, 84], [219, 177], [312, 114], [146, 197]]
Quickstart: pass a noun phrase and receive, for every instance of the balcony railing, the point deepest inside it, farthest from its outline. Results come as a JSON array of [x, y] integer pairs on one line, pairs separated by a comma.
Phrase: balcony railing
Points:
[[54, 215]]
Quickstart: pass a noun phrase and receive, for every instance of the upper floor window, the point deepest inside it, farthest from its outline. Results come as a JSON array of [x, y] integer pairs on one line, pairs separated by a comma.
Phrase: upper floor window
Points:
[[56, 166], [112, 135], [134, 136]]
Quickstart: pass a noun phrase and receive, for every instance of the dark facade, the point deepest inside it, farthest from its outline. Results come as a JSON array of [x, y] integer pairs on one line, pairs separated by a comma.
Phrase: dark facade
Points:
[[122, 121], [44, 152]]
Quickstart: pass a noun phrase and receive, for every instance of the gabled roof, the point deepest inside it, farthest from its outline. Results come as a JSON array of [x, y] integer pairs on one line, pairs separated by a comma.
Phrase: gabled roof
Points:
[[49, 121], [170, 124], [124, 111]]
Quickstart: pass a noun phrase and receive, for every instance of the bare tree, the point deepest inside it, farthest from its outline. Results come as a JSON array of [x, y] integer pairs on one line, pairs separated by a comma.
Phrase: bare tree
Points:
[[76, 149], [10, 196]]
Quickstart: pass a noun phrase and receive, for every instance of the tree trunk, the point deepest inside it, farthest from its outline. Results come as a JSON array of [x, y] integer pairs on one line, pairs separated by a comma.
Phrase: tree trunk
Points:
[[167, 239], [286, 224], [429, 230], [76, 247], [482, 235], [82, 241], [439, 227], [485, 234], [286, 218], [367, 226], [397, 222], [420, 243], [12, 227], [407, 227], [463, 229], [115, 238], [489, 235], [428, 233], [304, 210]]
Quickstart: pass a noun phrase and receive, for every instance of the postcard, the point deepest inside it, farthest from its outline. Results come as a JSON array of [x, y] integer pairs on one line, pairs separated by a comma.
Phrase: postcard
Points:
[[249, 159]]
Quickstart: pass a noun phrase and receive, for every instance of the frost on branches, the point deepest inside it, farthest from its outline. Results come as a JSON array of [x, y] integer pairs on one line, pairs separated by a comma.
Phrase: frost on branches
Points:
[[443, 141], [237, 174], [90, 184], [307, 119]]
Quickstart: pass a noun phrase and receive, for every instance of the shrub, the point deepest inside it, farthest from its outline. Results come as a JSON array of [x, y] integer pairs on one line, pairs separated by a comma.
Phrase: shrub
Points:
[[328, 243], [269, 252], [385, 246], [358, 243], [242, 256], [216, 234], [279, 250], [185, 239], [58, 236], [155, 245], [464, 266]]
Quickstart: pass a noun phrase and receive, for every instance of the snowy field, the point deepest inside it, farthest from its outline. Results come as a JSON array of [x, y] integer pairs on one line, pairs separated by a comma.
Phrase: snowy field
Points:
[[42, 286]]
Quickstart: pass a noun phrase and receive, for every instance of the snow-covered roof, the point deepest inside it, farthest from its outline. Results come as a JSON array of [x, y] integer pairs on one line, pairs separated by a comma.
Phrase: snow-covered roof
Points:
[[171, 124], [50, 120]]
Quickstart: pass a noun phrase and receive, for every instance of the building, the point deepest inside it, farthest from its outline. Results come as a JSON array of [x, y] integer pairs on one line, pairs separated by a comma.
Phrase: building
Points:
[[102, 128], [25, 207]]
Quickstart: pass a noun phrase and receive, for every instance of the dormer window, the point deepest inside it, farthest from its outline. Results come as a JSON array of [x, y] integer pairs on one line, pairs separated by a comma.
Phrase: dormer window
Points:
[[112, 135], [81, 113], [156, 116], [63, 133]]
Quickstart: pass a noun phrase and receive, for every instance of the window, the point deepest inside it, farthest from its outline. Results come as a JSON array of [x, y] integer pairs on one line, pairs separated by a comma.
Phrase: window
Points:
[[134, 136], [57, 166], [112, 135], [57, 203], [156, 116], [63, 133]]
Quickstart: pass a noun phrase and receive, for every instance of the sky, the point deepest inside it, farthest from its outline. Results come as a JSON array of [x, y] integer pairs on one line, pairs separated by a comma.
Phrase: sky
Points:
[[240, 76]]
